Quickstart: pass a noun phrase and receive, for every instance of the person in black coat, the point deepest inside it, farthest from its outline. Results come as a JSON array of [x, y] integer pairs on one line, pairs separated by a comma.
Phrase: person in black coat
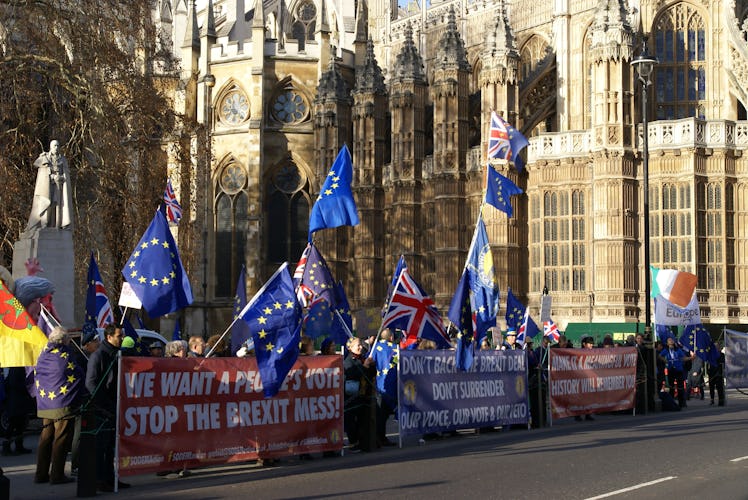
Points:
[[101, 382], [717, 379]]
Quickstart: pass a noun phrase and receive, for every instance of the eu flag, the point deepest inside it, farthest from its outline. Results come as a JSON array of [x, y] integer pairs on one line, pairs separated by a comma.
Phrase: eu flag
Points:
[[515, 312], [461, 315], [385, 356], [316, 280], [274, 318], [335, 205], [239, 329], [318, 319], [499, 191], [483, 288], [155, 271], [177, 333], [59, 381], [98, 309], [696, 338]]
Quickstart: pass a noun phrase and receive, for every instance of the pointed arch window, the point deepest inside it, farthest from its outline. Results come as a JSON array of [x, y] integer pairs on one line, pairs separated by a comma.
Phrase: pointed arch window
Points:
[[231, 224], [288, 205], [680, 77], [304, 23]]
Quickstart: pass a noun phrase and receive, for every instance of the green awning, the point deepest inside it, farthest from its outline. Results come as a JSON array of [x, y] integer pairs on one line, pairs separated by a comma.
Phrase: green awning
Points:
[[619, 331]]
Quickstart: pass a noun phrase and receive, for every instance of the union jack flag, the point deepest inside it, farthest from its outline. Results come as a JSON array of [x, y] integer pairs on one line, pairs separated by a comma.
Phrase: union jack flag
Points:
[[550, 330], [414, 312], [173, 209], [498, 138], [505, 141], [98, 308], [527, 330]]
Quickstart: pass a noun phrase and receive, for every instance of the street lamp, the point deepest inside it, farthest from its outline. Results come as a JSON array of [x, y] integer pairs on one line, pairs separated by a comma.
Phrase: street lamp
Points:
[[209, 82], [644, 65]]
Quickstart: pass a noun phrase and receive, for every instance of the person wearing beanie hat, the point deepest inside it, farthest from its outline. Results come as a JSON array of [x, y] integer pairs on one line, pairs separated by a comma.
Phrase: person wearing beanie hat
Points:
[[128, 347]]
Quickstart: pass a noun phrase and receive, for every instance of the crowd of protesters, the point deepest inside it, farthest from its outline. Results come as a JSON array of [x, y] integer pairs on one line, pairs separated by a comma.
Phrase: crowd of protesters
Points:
[[367, 406]]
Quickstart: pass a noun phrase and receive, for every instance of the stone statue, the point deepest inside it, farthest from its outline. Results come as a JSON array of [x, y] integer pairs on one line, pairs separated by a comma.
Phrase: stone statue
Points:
[[52, 205]]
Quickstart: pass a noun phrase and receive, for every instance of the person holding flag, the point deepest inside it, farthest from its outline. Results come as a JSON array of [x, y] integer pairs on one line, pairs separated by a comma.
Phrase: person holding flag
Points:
[[59, 391]]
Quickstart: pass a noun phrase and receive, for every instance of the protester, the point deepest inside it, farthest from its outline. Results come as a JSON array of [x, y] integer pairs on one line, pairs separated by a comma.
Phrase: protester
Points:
[[359, 374], [485, 344], [89, 344], [176, 349], [59, 390], [157, 349], [196, 346], [696, 378], [128, 347], [101, 382], [18, 404], [217, 346], [511, 339], [385, 358], [587, 343], [674, 358], [306, 346], [328, 347], [717, 379]]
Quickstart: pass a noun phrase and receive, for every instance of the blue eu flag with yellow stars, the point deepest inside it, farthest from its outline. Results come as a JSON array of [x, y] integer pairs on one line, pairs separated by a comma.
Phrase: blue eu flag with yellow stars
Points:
[[461, 315], [696, 338], [385, 355], [499, 191], [155, 271], [515, 312], [484, 291], [335, 205], [58, 380], [274, 318], [239, 329], [342, 322]]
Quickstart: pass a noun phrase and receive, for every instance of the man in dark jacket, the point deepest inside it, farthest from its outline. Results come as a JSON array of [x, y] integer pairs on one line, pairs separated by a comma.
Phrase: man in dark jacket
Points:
[[101, 382]]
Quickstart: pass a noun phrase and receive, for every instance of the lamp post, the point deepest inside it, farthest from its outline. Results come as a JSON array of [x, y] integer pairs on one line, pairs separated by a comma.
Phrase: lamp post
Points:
[[644, 65], [209, 82]]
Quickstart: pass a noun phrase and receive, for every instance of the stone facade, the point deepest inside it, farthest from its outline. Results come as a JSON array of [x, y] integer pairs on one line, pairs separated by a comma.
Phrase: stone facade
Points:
[[410, 90]]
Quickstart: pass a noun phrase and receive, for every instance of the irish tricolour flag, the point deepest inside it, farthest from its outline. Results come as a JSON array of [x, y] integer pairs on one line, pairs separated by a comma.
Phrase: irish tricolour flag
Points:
[[677, 287]]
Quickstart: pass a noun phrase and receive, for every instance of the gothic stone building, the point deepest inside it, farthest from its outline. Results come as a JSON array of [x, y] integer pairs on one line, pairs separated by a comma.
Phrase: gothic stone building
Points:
[[281, 85]]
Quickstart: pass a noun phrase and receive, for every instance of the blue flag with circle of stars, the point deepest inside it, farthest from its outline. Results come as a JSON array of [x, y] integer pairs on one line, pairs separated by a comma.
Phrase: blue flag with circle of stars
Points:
[[461, 315], [696, 338], [499, 191], [58, 380], [316, 280], [515, 312], [663, 333], [274, 318], [239, 329], [155, 271], [484, 295], [385, 355], [335, 205]]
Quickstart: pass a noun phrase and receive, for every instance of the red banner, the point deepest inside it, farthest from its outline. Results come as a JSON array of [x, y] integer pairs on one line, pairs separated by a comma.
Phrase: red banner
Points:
[[591, 380], [176, 412]]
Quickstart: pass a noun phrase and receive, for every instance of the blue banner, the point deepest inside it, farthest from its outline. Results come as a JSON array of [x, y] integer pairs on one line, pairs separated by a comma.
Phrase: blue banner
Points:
[[736, 359], [435, 396]]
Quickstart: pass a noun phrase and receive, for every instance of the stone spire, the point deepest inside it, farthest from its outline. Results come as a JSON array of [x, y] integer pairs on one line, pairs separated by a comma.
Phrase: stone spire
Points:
[[451, 51], [612, 35], [500, 56], [258, 20], [210, 21], [369, 77], [331, 83], [409, 64], [192, 33]]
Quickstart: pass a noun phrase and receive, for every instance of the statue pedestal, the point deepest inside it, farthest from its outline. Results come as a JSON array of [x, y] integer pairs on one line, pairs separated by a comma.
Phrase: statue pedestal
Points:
[[54, 249]]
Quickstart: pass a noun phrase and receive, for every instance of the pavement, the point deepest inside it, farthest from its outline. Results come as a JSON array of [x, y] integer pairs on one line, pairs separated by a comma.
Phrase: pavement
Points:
[[20, 469]]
